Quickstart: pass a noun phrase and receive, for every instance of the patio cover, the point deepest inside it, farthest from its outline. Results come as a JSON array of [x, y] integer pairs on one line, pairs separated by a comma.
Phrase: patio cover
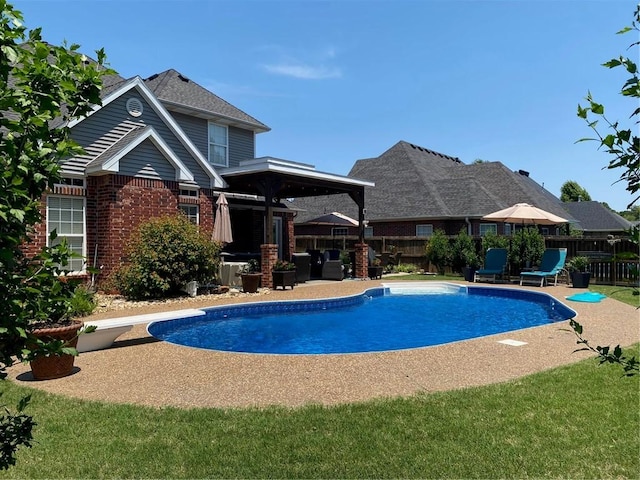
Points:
[[276, 179], [333, 218]]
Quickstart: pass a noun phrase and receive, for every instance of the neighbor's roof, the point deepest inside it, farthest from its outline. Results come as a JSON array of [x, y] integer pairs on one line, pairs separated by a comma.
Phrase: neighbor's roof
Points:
[[595, 217], [413, 182], [181, 94]]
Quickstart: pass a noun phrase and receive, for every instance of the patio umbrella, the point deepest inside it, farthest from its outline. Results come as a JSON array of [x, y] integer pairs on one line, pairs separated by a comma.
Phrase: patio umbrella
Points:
[[525, 214], [222, 225]]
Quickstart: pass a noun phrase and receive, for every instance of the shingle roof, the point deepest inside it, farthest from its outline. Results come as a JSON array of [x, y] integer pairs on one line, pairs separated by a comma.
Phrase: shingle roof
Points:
[[413, 182], [175, 89], [595, 217]]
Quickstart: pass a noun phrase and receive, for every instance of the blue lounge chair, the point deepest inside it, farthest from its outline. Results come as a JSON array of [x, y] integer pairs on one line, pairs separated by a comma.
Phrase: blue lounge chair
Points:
[[495, 264], [551, 265]]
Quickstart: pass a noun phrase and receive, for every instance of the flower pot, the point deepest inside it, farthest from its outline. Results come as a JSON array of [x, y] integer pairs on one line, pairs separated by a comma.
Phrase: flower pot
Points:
[[580, 279], [469, 273], [55, 366], [283, 278], [251, 282]]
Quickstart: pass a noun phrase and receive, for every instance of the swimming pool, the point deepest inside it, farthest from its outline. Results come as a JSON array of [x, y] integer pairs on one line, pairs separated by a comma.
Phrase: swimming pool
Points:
[[392, 317]]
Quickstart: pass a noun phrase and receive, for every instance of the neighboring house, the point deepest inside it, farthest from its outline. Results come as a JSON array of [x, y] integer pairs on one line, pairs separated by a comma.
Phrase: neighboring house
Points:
[[162, 145], [596, 220], [418, 191]]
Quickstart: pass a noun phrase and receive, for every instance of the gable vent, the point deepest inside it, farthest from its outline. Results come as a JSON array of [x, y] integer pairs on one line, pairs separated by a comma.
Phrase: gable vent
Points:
[[134, 107]]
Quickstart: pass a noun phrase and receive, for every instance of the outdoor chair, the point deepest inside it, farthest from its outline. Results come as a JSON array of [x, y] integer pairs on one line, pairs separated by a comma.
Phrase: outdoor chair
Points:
[[332, 270], [551, 265], [495, 264]]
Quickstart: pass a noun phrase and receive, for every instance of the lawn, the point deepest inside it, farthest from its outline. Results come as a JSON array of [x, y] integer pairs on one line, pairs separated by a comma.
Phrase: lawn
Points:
[[577, 421]]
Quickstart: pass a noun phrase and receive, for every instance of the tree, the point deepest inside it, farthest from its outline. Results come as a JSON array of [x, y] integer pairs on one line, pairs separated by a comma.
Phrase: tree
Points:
[[40, 85], [624, 146], [622, 143], [572, 192]]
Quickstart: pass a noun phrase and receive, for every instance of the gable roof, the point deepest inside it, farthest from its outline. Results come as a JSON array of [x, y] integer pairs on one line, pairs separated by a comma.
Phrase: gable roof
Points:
[[595, 217], [109, 160], [413, 182], [181, 94], [120, 88]]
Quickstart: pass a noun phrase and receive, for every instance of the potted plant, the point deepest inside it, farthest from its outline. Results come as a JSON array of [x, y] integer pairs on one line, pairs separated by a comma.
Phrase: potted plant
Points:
[[283, 274], [375, 269], [578, 269], [52, 330], [251, 276]]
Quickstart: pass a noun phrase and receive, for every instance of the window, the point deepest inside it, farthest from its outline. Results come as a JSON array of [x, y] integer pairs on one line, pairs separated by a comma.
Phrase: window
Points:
[[368, 232], [188, 192], [75, 182], [424, 230], [65, 215], [507, 229], [339, 231], [218, 145], [488, 227], [544, 230], [192, 213]]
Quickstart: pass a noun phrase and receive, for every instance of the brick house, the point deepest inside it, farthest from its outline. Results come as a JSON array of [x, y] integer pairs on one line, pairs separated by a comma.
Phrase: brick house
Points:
[[162, 145], [418, 190]]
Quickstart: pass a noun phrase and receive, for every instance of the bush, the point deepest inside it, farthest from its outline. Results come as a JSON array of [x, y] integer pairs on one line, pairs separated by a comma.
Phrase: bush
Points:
[[438, 250], [464, 252], [407, 268], [82, 302], [166, 253], [526, 247]]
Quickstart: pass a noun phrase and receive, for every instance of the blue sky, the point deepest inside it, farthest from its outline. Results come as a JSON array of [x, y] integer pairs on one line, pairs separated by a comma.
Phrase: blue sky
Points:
[[340, 81]]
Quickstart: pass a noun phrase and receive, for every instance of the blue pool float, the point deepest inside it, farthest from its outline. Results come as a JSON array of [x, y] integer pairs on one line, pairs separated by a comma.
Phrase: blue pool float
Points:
[[588, 297]]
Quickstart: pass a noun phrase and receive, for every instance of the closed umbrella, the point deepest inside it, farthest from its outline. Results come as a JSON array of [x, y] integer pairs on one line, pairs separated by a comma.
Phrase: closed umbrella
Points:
[[222, 225], [525, 214]]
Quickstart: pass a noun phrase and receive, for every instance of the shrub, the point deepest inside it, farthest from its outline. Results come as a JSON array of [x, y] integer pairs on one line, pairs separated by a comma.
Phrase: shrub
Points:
[[164, 254], [407, 268], [526, 247], [438, 250], [464, 251], [82, 302]]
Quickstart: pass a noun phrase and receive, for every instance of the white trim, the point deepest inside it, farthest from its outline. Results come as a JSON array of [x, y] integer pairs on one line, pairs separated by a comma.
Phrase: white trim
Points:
[[137, 82], [70, 235], [113, 163], [268, 164]]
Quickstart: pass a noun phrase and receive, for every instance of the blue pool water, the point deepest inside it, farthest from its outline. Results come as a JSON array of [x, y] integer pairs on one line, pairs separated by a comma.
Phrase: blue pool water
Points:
[[376, 321]]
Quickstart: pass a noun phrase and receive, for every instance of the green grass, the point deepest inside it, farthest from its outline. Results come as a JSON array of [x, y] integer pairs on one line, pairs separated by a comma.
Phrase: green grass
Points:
[[579, 421], [624, 294]]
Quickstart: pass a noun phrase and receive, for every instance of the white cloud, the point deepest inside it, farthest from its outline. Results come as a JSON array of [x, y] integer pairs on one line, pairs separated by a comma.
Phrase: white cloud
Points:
[[305, 72]]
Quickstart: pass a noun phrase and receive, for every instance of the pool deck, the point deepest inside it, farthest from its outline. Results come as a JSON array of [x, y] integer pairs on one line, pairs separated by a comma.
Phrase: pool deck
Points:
[[141, 370]]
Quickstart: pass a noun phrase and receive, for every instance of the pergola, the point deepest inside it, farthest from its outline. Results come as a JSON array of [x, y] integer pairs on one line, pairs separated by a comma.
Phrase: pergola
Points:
[[276, 179]]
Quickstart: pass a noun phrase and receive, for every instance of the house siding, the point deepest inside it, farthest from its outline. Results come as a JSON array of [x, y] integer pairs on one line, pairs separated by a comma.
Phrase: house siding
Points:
[[147, 161], [241, 141], [105, 127]]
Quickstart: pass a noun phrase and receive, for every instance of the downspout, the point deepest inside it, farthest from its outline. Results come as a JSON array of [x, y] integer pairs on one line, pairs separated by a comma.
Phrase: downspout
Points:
[[469, 227]]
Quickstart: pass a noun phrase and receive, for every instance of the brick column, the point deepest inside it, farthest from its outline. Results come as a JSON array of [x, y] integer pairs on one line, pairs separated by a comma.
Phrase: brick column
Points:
[[269, 253], [362, 260]]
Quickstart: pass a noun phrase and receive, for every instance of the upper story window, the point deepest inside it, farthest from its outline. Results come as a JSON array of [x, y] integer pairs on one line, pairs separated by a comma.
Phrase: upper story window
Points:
[[424, 230], [218, 145], [339, 231], [507, 229], [488, 227]]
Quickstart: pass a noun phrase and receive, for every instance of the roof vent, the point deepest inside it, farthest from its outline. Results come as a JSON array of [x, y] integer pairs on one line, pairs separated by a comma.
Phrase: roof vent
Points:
[[523, 172], [134, 106], [183, 78], [153, 77]]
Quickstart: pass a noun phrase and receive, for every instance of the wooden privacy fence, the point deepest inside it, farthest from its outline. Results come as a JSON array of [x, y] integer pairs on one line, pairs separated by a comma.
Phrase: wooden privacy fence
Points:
[[604, 270]]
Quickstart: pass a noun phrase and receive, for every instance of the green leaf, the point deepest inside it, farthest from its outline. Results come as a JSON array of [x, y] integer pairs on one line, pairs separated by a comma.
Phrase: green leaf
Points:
[[597, 108]]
